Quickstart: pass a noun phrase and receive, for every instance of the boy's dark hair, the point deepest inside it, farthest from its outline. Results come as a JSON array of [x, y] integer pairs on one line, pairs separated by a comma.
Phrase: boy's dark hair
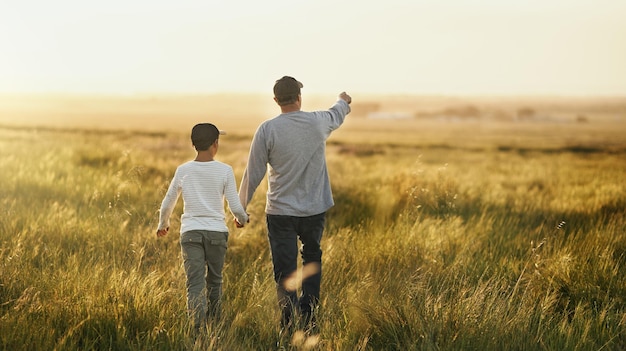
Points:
[[203, 135]]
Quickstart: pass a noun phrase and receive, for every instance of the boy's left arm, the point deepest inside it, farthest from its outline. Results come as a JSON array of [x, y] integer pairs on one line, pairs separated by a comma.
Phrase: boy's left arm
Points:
[[234, 204]]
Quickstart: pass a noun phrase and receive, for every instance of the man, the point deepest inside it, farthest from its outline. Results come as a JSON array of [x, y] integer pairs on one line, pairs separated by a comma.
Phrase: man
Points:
[[204, 183], [293, 144]]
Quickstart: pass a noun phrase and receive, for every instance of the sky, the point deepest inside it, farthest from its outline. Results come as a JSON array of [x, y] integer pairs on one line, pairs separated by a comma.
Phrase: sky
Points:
[[493, 47]]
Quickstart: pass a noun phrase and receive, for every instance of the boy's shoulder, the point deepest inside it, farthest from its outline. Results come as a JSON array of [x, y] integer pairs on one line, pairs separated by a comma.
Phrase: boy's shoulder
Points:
[[215, 164], [185, 165], [221, 164]]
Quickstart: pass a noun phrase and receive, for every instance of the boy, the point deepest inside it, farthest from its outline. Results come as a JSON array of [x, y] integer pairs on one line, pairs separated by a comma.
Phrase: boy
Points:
[[204, 183]]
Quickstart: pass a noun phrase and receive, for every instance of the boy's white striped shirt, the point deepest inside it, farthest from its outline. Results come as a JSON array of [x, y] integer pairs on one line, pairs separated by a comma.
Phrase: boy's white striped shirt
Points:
[[204, 186]]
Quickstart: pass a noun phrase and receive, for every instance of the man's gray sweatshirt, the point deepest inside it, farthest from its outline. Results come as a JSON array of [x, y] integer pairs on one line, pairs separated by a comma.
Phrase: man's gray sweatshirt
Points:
[[293, 144]]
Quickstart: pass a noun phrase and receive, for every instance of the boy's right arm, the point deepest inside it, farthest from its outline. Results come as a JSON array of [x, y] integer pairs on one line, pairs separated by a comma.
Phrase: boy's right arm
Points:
[[167, 207]]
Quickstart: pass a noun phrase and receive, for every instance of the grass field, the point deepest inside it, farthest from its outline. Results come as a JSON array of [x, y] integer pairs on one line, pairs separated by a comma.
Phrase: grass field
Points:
[[446, 235]]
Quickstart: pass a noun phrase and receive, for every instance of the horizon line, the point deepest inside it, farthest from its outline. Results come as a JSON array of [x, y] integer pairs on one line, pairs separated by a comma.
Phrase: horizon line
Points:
[[314, 93]]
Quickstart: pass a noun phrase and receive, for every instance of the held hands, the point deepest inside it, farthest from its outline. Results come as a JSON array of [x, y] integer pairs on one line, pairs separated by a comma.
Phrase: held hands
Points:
[[162, 232], [347, 98], [239, 225]]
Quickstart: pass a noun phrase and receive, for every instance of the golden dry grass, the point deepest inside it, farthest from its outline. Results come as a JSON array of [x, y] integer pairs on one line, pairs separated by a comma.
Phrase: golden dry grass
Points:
[[446, 234]]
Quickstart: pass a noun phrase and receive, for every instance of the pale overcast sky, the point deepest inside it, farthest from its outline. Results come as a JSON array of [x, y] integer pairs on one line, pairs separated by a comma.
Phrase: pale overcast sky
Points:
[[499, 47]]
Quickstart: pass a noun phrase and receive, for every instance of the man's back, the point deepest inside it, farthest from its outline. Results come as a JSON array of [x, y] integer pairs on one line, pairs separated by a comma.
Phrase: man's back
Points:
[[294, 146]]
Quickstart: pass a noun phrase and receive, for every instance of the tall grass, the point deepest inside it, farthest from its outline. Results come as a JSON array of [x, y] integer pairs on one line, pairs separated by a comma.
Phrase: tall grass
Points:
[[426, 249]]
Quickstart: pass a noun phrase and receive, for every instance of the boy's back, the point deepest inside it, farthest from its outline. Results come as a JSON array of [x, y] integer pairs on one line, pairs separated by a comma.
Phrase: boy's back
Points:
[[204, 185]]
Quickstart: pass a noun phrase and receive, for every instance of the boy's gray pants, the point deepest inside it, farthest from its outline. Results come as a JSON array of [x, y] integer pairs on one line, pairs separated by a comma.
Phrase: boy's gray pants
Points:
[[203, 258]]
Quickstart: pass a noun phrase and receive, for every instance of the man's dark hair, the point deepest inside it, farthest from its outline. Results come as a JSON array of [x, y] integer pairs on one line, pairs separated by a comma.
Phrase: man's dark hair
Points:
[[287, 90]]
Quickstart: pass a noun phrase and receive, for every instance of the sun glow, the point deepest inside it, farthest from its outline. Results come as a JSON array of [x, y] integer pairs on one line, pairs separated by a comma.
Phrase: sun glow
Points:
[[445, 47]]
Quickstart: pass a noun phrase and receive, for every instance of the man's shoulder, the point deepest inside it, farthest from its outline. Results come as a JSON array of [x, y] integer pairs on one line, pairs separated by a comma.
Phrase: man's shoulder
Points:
[[268, 125], [274, 120]]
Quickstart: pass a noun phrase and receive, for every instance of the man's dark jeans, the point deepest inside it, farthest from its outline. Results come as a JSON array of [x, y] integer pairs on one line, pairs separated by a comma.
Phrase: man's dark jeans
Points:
[[284, 233]]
